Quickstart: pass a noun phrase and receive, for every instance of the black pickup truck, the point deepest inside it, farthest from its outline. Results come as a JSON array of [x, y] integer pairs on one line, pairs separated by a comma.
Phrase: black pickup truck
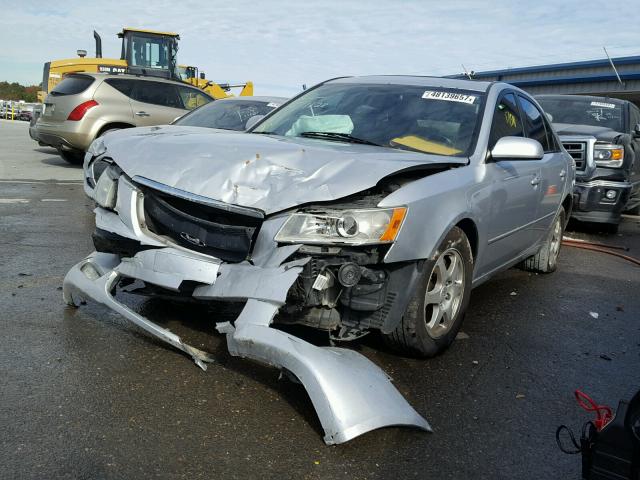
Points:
[[603, 137]]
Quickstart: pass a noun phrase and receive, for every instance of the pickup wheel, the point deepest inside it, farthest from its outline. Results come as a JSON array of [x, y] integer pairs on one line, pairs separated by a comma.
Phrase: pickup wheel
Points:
[[435, 313], [546, 260]]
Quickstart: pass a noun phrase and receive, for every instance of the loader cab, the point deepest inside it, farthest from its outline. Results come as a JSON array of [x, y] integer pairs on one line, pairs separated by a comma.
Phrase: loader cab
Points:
[[187, 73], [151, 53]]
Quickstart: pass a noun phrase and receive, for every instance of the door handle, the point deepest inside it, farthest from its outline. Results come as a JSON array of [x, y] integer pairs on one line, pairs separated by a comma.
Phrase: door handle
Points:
[[143, 114], [535, 181], [563, 173]]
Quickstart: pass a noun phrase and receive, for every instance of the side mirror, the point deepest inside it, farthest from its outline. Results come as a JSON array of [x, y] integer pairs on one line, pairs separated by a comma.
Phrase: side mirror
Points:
[[636, 130], [517, 148], [252, 121]]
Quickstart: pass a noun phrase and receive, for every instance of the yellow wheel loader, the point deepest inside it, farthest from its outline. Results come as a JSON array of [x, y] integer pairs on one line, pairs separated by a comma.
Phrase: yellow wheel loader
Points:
[[144, 52], [191, 76]]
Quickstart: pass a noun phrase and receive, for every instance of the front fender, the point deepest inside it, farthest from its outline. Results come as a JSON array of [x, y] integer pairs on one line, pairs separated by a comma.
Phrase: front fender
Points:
[[435, 204]]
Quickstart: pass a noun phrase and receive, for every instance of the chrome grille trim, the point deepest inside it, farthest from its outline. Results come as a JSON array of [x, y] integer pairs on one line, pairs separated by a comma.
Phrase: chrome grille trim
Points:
[[578, 150]]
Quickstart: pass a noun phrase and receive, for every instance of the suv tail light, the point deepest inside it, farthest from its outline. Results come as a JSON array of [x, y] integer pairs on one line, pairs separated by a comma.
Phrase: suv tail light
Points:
[[79, 112]]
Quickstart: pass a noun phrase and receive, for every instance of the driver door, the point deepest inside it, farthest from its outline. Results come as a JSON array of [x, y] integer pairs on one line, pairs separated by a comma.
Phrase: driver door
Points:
[[514, 193]]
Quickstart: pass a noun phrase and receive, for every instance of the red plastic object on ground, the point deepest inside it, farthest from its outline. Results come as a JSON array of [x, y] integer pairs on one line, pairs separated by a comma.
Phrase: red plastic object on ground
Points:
[[604, 414]]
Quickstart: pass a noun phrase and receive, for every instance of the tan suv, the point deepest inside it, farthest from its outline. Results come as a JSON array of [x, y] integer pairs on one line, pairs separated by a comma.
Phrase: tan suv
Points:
[[85, 106]]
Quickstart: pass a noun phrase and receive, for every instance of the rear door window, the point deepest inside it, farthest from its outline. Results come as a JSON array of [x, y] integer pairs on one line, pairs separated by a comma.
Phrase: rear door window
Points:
[[534, 124], [123, 85], [506, 120], [157, 93], [192, 98], [72, 85]]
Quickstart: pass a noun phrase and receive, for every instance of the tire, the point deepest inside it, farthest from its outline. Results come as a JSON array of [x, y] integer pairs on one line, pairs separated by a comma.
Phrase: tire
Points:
[[436, 311], [546, 260], [74, 158], [102, 134], [634, 211]]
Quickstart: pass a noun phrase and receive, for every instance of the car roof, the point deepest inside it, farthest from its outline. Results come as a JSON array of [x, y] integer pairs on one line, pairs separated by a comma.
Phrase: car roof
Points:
[[594, 98], [423, 81], [104, 76]]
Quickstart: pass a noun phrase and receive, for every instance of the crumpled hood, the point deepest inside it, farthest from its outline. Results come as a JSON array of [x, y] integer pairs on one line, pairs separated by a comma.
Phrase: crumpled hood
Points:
[[270, 173], [600, 133]]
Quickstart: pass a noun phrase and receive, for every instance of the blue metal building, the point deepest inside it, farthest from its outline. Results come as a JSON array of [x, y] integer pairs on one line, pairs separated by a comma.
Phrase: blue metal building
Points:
[[592, 77]]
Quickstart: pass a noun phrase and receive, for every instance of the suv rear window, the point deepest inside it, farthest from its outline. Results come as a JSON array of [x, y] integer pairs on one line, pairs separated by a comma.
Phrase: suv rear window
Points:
[[72, 85]]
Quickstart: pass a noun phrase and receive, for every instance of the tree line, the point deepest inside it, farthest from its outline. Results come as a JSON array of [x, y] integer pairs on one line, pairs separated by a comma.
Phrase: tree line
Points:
[[15, 91]]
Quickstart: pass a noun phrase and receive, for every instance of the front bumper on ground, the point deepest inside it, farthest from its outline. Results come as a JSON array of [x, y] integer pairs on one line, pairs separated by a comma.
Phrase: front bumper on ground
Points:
[[351, 395], [591, 205]]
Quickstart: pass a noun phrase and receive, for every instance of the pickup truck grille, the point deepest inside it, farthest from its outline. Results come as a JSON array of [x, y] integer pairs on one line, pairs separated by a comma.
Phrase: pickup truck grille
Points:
[[215, 231], [578, 150]]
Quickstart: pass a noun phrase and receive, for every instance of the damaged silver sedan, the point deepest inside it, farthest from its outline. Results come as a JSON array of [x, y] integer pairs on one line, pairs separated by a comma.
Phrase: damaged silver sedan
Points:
[[371, 204]]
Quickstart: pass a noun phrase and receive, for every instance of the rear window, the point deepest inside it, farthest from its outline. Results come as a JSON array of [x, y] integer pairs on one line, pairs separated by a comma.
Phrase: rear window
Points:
[[72, 85]]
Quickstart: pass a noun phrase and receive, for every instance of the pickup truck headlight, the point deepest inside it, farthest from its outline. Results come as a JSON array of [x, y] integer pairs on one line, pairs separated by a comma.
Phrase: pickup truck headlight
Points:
[[608, 155], [350, 227], [106, 191]]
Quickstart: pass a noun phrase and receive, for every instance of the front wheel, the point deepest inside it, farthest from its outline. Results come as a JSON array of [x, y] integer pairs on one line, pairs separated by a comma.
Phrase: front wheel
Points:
[[436, 311]]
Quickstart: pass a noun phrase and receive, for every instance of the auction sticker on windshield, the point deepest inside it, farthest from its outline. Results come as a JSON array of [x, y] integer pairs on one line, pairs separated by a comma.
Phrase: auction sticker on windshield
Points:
[[603, 105], [449, 96]]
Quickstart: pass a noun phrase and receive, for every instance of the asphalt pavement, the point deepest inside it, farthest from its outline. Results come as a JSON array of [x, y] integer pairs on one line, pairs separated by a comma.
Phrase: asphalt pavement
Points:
[[85, 395]]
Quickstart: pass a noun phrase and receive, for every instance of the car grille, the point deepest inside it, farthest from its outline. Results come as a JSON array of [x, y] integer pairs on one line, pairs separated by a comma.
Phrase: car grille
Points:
[[578, 150], [208, 229]]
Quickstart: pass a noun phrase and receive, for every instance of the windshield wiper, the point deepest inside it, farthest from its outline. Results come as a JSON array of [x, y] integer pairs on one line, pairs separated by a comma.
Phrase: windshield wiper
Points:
[[344, 137]]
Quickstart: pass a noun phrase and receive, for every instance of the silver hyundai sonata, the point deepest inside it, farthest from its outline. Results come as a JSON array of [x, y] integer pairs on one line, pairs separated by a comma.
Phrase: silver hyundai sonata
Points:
[[364, 204]]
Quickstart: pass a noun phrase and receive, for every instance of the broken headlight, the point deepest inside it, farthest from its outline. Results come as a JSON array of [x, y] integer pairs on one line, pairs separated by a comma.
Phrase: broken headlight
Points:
[[608, 155], [97, 168], [97, 147], [106, 191], [351, 227]]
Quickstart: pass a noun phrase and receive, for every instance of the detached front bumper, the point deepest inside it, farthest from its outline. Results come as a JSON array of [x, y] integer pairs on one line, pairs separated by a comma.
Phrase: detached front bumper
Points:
[[591, 202], [351, 395]]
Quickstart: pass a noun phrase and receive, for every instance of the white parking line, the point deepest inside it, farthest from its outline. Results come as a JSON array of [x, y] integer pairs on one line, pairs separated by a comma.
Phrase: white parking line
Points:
[[43, 182], [53, 200], [14, 200]]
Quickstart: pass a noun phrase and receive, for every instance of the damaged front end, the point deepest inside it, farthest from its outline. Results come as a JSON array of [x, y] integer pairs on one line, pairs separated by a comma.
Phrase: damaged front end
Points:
[[178, 242]]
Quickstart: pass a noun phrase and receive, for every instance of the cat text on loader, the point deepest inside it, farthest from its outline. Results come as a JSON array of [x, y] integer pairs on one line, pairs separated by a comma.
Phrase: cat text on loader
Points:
[[144, 52]]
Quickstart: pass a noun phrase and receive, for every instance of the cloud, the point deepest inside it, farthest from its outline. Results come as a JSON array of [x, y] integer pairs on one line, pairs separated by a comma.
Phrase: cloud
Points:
[[281, 45]]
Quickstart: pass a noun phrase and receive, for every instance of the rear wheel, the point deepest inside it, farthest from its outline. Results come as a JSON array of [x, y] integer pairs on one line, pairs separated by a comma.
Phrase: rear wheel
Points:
[[546, 260], [74, 158], [435, 313]]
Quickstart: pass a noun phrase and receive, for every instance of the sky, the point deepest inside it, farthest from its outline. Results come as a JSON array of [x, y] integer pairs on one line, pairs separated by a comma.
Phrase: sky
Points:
[[282, 44]]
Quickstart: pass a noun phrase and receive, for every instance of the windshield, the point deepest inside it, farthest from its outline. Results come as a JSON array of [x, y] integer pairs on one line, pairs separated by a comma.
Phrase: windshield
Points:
[[409, 117], [149, 51], [584, 111], [226, 114]]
